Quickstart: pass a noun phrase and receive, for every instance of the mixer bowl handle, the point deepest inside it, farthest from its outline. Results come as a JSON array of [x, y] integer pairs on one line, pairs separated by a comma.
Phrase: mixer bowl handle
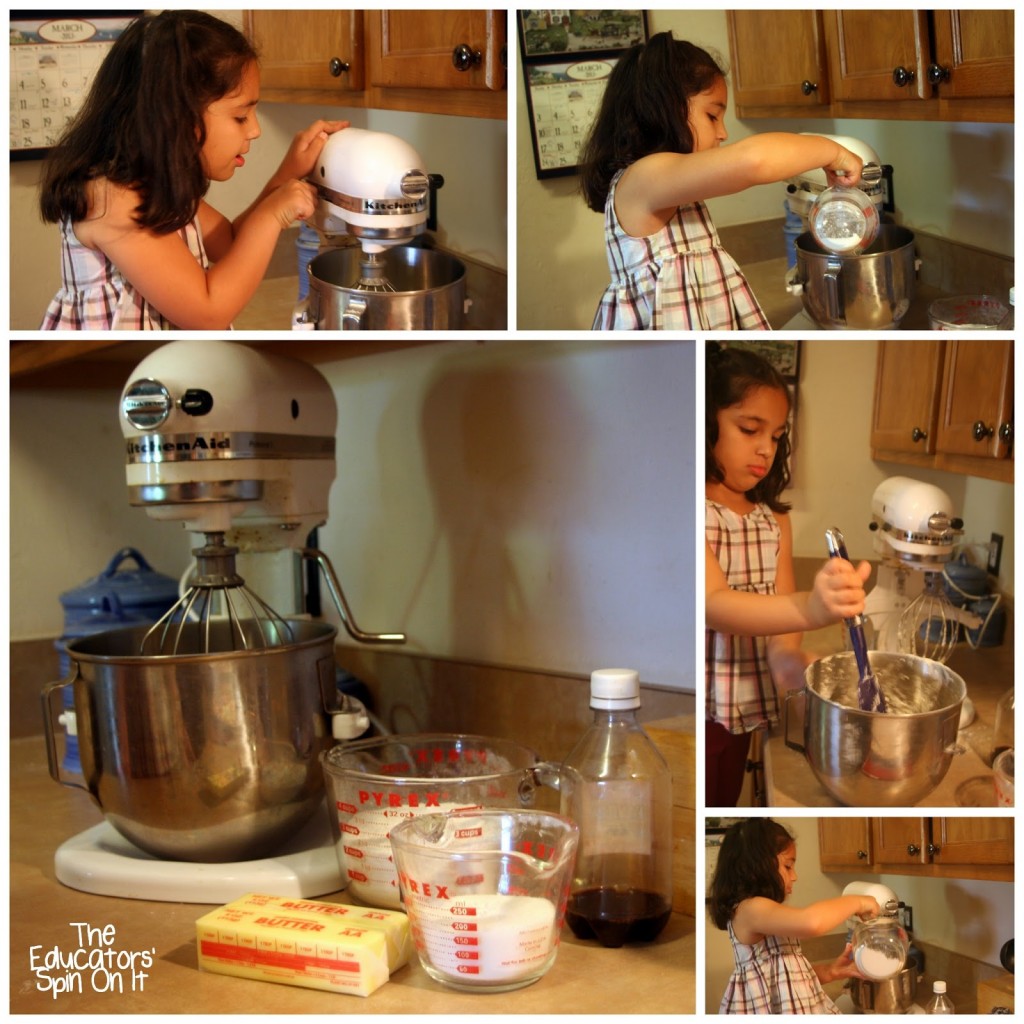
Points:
[[792, 744], [833, 268], [49, 691], [352, 316]]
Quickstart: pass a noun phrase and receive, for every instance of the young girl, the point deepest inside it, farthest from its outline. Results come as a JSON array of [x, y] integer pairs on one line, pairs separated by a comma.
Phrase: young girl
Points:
[[652, 157], [756, 871], [753, 614], [172, 108]]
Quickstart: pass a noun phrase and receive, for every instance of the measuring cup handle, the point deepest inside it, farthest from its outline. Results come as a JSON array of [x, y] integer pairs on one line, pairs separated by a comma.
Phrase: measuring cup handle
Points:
[[792, 744], [49, 731], [544, 773]]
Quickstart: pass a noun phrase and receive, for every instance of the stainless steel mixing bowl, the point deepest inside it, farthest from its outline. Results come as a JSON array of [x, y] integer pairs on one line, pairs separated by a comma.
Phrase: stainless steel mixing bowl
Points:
[[207, 757], [894, 995], [869, 758], [870, 291]]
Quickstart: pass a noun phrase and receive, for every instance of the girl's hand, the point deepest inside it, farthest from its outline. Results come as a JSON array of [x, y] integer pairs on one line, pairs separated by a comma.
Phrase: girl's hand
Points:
[[838, 591], [845, 169], [292, 201], [305, 149], [842, 967], [870, 909]]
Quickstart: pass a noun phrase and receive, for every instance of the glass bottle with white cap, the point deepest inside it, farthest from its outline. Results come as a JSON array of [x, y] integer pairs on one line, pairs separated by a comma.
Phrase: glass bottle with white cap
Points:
[[617, 787]]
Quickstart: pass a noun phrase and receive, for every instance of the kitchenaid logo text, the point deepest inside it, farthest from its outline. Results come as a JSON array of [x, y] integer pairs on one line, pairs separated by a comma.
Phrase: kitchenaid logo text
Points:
[[158, 446], [92, 964]]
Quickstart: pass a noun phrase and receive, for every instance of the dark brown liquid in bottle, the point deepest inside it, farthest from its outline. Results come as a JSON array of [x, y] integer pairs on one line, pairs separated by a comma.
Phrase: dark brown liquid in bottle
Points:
[[615, 917]]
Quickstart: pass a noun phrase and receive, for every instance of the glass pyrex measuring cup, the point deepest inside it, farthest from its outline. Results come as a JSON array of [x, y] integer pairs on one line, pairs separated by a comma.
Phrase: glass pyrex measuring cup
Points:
[[375, 784], [486, 893], [843, 219], [880, 947]]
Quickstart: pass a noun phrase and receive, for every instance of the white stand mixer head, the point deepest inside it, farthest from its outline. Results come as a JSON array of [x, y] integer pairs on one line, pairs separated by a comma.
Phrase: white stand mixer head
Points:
[[372, 185]]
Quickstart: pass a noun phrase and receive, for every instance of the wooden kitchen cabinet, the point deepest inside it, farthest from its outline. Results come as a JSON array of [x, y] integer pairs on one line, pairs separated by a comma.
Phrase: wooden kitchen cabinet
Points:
[[783, 66], [976, 411], [386, 60], [309, 53], [878, 55], [945, 404], [844, 843], [942, 847], [879, 64], [456, 49]]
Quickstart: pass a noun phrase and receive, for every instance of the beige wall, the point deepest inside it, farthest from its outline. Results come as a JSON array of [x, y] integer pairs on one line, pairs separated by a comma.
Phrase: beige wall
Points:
[[470, 153], [526, 504], [951, 180]]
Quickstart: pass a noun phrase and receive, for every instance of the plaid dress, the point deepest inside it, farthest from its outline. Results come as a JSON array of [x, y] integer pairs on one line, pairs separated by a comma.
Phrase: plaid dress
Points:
[[679, 278], [95, 295], [773, 976], [739, 692]]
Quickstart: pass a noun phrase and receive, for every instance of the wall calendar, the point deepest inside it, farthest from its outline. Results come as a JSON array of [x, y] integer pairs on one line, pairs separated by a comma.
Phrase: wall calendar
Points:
[[53, 59]]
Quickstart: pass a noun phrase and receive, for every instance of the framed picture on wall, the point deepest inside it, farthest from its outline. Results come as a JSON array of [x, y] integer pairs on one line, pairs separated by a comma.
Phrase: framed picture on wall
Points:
[[567, 57], [54, 56]]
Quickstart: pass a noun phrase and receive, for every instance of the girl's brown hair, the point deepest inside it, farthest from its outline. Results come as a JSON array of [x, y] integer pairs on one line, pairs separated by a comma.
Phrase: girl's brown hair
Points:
[[748, 865], [142, 123]]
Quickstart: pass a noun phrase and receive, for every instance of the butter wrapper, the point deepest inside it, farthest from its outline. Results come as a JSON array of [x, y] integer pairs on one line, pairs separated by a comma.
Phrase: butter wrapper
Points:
[[292, 949], [392, 923]]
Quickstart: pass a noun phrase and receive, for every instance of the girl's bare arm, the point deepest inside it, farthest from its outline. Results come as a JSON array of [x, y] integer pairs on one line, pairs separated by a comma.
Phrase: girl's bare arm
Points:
[[759, 916], [652, 188]]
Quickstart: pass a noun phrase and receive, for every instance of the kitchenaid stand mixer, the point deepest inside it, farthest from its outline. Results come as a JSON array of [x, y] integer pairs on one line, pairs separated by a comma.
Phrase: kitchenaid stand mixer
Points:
[[915, 532], [372, 186], [236, 445]]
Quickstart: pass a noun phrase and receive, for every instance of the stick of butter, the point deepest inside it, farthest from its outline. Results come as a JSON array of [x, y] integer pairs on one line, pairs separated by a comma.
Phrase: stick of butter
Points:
[[393, 923], [292, 949]]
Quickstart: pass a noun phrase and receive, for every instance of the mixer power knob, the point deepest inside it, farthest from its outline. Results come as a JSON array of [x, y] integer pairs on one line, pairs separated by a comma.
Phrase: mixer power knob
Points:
[[902, 76], [464, 57]]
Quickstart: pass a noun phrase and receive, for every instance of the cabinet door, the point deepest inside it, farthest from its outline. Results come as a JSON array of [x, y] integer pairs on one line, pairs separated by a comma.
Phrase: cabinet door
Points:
[[457, 49], [844, 843], [900, 841], [974, 53], [907, 396], [976, 415], [306, 51], [877, 55], [778, 59], [972, 841]]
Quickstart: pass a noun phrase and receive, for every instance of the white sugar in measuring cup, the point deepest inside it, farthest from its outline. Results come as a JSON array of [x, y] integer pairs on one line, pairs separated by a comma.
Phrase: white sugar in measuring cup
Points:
[[843, 219], [375, 784], [486, 893]]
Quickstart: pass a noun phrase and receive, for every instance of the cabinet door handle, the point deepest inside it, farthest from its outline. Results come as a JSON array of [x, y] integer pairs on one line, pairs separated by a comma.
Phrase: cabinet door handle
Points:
[[465, 57], [933, 849], [807, 87], [980, 432], [913, 849], [1006, 432], [937, 73], [338, 67], [902, 76], [862, 855], [917, 434]]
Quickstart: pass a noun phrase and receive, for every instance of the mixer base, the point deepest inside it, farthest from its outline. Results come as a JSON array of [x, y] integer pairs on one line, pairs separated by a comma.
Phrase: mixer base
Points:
[[101, 861]]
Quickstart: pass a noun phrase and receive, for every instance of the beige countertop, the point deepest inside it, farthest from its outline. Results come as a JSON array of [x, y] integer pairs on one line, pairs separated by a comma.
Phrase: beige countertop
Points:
[[585, 978], [987, 672]]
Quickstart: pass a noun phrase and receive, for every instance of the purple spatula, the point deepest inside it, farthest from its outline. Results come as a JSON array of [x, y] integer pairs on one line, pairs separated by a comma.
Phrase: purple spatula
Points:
[[869, 696]]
